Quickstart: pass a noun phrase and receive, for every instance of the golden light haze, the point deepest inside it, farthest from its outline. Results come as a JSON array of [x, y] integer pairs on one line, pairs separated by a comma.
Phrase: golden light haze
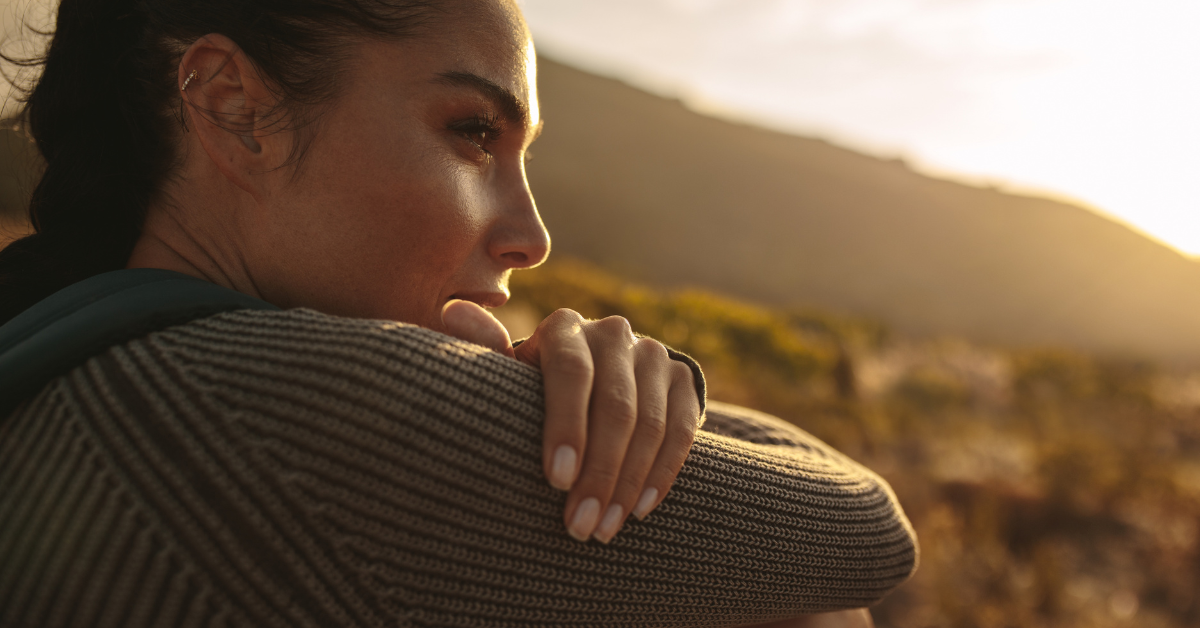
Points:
[[1092, 100]]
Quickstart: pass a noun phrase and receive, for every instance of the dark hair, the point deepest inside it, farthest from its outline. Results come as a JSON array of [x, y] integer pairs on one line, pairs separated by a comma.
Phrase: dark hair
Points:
[[105, 113]]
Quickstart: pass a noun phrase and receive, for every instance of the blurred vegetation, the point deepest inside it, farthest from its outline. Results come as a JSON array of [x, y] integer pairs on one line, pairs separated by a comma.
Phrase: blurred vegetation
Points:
[[1048, 488], [19, 168]]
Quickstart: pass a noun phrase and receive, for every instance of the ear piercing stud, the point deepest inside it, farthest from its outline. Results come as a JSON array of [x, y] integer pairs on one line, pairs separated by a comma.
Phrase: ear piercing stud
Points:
[[188, 80]]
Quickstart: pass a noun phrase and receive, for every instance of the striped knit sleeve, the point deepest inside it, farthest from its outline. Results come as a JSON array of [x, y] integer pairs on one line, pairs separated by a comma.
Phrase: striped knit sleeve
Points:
[[296, 469]]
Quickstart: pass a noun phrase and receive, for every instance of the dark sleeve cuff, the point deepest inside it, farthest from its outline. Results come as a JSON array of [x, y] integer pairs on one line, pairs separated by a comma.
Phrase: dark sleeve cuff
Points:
[[697, 376]]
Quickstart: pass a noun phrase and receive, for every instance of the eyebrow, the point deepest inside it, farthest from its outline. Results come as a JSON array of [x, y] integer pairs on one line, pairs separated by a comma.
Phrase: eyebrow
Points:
[[511, 107]]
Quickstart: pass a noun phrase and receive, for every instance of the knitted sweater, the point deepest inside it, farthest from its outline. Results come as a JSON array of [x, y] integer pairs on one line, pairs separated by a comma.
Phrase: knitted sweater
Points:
[[292, 469]]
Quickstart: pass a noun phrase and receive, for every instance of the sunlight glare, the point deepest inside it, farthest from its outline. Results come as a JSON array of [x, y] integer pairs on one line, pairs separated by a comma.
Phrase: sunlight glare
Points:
[[1093, 100]]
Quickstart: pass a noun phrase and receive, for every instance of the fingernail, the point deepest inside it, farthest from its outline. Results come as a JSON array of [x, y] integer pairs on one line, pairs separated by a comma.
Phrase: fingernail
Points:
[[584, 520], [610, 524], [645, 503], [562, 472]]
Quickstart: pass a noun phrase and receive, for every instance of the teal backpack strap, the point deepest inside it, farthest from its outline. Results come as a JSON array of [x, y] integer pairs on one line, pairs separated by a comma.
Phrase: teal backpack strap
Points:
[[65, 329]]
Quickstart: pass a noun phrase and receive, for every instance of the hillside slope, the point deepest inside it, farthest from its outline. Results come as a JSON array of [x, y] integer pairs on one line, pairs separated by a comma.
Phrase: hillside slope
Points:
[[643, 185], [1048, 489]]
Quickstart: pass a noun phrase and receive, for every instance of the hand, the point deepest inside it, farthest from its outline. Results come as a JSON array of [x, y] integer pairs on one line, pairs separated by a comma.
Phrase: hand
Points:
[[621, 415]]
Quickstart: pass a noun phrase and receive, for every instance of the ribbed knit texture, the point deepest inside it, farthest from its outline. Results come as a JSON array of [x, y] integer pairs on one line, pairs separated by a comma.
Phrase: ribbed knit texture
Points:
[[293, 469]]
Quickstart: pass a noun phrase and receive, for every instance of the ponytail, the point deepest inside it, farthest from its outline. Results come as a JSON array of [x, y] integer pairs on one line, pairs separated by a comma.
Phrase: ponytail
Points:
[[103, 154], [104, 113]]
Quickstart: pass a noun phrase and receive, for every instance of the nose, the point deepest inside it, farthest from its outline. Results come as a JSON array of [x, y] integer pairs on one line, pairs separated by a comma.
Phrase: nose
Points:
[[520, 240]]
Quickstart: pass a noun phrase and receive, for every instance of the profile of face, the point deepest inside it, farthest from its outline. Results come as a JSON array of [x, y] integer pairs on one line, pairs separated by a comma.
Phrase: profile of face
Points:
[[412, 191]]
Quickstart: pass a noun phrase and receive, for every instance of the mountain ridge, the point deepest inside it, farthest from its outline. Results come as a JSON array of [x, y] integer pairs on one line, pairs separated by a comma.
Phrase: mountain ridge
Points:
[[645, 186], [648, 187]]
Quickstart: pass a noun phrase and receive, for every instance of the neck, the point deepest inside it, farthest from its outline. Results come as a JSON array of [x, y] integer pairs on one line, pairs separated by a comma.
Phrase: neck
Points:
[[171, 241]]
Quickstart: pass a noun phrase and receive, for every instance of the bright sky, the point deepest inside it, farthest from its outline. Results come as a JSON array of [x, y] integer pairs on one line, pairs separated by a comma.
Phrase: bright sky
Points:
[[1092, 100]]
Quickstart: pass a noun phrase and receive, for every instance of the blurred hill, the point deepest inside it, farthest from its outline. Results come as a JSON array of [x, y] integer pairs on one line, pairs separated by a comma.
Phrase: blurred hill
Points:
[[1048, 488], [644, 186]]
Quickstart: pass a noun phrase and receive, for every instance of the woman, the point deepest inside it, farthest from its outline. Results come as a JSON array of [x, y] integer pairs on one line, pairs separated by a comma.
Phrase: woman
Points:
[[354, 163]]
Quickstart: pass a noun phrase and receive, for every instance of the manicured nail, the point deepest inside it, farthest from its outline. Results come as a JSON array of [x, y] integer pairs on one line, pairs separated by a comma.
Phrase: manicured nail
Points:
[[610, 524], [584, 520], [645, 503], [562, 472]]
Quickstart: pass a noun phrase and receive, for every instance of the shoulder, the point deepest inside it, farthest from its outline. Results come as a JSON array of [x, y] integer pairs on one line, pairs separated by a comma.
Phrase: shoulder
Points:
[[302, 331], [294, 342], [273, 453], [247, 362], [290, 456]]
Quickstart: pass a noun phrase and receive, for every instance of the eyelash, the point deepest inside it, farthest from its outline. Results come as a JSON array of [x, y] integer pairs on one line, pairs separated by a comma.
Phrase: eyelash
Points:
[[484, 124]]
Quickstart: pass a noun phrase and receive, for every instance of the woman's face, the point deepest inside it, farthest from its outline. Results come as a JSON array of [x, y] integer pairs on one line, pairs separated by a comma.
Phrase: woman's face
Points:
[[413, 191]]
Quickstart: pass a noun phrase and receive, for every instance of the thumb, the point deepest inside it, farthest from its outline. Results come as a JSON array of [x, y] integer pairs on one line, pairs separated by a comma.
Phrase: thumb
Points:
[[467, 321]]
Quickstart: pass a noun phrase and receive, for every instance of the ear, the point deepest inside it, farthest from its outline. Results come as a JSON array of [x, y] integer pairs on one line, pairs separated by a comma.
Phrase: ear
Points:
[[232, 110]]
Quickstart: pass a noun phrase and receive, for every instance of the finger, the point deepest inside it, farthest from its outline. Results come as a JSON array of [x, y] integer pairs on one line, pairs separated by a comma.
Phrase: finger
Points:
[[468, 321], [683, 419], [611, 418], [652, 374], [559, 348]]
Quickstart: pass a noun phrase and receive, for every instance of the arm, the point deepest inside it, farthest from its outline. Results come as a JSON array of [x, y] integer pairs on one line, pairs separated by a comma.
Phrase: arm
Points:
[[756, 427], [859, 618], [289, 468], [625, 406]]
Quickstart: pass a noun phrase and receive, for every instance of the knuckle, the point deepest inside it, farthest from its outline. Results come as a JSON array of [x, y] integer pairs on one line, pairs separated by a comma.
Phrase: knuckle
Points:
[[683, 424], [685, 402], [616, 325], [682, 440], [653, 428], [602, 476], [565, 316], [651, 349], [618, 404], [574, 364], [652, 414], [682, 372]]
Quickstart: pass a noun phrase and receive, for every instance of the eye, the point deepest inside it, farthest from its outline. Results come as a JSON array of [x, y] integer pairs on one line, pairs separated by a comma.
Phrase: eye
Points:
[[479, 137], [480, 130]]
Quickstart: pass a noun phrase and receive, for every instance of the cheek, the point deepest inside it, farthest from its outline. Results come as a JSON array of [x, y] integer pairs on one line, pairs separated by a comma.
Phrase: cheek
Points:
[[427, 220], [408, 226], [383, 220]]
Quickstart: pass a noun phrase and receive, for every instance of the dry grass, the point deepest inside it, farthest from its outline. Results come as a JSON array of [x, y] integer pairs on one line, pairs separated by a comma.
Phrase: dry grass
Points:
[[12, 229], [1048, 488]]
